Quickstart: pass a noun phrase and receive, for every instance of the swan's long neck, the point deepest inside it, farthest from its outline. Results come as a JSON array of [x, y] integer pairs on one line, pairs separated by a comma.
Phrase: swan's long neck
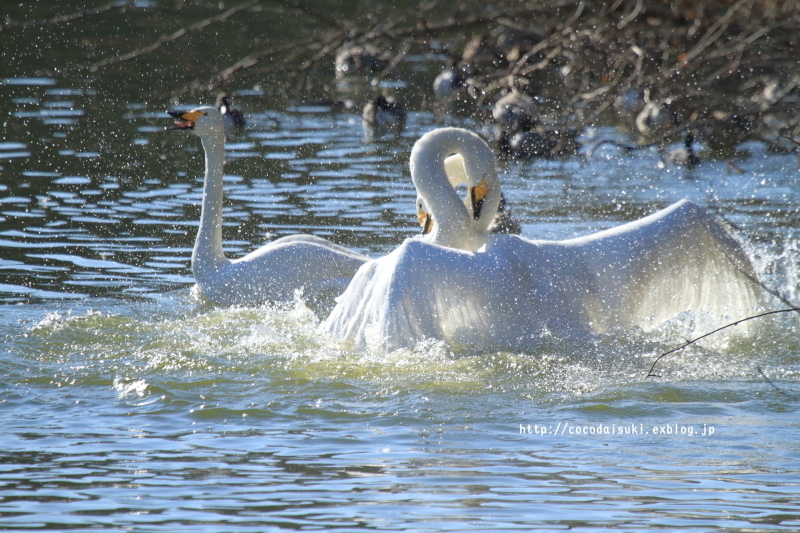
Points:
[[208, 246], [454, 225], [430, 179]]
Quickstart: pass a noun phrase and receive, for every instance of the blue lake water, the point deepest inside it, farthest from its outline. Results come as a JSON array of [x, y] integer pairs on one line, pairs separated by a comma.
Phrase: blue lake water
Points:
[[126, 405]]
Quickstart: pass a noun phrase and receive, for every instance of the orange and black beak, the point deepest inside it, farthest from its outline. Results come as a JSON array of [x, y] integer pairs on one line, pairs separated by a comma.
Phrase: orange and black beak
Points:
[[184, 120], [425, 220], [477, 194]]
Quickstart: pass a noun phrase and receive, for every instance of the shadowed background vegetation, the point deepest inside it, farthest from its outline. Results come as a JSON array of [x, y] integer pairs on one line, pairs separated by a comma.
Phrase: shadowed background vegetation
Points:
[[722, 70]]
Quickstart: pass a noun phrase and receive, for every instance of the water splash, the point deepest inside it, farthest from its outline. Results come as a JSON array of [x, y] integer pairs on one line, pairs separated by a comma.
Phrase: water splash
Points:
[[174, 351]]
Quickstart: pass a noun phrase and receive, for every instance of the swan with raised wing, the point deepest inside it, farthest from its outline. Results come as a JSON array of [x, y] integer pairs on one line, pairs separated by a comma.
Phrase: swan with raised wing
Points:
[[468, 287], [273, 272]]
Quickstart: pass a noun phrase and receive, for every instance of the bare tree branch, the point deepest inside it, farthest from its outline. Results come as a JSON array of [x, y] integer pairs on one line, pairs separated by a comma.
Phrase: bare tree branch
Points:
[[333, 23], [286, 63], [782, 134], [650, 373], [771, 384], [581, 54], [61, 19], [174, 36]]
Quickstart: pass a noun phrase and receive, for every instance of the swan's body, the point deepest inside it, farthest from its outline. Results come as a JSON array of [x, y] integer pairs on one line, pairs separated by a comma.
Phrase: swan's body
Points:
[[467, 287], [275, 271]]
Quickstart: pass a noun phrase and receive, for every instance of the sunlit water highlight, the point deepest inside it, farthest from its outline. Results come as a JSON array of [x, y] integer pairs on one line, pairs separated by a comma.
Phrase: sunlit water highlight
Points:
[[125, 404]]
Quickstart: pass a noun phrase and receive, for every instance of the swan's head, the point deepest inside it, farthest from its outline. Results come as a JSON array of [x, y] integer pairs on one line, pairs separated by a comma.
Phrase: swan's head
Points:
[[203, 121], [424, 216], [502, 221], [443, 160]]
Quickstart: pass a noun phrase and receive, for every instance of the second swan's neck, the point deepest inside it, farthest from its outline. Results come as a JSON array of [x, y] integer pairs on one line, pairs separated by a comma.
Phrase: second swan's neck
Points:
[[453, 223], [208, 246]]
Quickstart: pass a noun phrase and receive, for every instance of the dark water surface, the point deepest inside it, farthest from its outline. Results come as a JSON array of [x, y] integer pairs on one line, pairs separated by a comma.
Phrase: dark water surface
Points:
[[127, 405]]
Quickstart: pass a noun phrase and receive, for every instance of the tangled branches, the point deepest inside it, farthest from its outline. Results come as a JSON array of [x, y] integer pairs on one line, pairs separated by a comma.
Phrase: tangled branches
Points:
[[720, 70]]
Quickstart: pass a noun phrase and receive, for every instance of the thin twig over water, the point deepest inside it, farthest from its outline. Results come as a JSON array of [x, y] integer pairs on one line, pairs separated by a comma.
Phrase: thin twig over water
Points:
[[650, 373], [771, 384]]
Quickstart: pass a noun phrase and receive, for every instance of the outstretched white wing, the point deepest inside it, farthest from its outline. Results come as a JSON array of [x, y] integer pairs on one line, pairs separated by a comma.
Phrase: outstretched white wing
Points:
[[678, 259], [638, 274]]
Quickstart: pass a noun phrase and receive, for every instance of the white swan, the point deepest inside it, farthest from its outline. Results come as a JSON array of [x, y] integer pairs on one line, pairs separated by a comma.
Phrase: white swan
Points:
[[465, 286], [273, 272]]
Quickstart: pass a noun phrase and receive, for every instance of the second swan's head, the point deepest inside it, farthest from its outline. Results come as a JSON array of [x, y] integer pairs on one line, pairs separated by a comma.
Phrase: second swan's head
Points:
[[203, 121]]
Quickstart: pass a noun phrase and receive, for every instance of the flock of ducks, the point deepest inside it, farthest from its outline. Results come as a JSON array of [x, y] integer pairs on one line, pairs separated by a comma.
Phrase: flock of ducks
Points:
[[518, 130], [523, 118], [469, 279], [516, 126]]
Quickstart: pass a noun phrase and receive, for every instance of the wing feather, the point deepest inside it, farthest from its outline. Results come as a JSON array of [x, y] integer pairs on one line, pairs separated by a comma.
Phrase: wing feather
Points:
[[678, 259]]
